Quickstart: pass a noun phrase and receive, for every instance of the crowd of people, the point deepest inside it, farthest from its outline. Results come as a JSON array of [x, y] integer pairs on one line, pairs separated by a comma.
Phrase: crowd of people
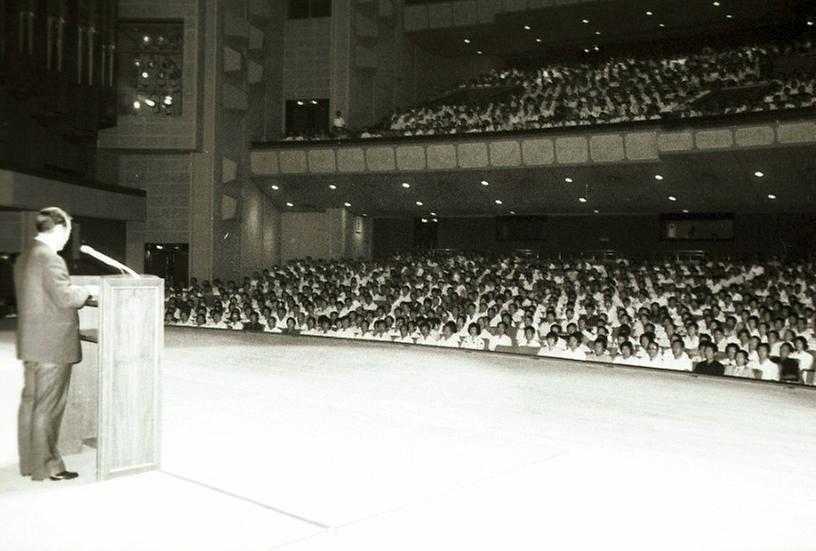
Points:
[[623, 89], [743, 319], [617, 90]]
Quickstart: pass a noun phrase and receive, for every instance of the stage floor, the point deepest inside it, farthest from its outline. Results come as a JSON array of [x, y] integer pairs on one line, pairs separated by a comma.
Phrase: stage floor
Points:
[[317, 444]]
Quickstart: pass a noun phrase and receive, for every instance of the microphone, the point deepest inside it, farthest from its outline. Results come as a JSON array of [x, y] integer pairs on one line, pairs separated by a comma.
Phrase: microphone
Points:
[[105, 259]]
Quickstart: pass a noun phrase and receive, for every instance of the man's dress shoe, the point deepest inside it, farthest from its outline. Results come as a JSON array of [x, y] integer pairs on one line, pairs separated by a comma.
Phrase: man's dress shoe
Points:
[[64, 475]]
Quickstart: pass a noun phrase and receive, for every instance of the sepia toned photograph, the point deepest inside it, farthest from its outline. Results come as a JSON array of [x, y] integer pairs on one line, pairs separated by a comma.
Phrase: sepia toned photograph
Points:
[[407, 275]]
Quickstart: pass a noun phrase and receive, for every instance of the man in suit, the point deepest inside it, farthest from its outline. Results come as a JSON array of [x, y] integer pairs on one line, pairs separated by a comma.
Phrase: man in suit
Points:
[[47, 342]]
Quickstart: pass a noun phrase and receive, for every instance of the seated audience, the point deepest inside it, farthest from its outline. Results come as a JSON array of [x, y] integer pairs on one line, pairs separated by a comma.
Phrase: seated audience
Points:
[[580, 309]]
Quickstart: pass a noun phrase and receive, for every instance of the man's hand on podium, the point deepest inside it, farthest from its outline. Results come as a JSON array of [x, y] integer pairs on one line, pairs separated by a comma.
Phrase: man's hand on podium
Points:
[[94, 290]]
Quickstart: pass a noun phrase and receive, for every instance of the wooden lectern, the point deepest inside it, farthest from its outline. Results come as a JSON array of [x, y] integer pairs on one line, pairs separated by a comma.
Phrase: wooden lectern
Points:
[[114, 401]]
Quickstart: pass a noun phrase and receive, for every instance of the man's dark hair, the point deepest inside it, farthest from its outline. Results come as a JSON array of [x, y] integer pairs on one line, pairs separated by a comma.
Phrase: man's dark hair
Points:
[[51, 217]]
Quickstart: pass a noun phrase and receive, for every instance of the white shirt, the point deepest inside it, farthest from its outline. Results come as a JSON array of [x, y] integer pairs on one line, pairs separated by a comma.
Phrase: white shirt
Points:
[[576, 354], [500, 340], [805, 359], [770, 370], [450, 342], [631, 360], [683, 363]]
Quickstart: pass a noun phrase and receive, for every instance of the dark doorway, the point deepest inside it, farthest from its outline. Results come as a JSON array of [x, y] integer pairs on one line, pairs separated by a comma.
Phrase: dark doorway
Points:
[[426, 232], [307, 118], [169, 261]]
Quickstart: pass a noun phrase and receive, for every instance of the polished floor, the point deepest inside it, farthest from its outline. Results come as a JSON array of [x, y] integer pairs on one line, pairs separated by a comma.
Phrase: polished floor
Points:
[[275, 442]]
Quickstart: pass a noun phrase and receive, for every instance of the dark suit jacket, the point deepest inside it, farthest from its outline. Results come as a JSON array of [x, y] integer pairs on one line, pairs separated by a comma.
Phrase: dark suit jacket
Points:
[[47, 304]]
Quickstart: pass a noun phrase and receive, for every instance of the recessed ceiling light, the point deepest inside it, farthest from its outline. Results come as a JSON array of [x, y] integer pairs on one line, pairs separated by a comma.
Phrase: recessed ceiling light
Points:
[[498, 201], [406, 185], [662, 25], [467, 41], [672, 198], [716, 4], [365, 215], [596, 211], [538, 40], [586, 50], [771, 196], [332, 186], [433, 214], [485, 183], [479, 52], [585, 21], [582, 200], [597, 33], [435, 220], [568, 180], [288, 204], [275, 187], [729, 16], [596, 48], [347, 204], [658, 177], [526, 27], [650, 13], [512, 212], [759, 174], [424, 220], [685, 211], [419, 203], [810, 23]]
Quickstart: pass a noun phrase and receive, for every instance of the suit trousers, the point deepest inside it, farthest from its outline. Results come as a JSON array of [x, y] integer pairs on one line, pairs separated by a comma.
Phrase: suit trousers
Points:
[[45, 394]]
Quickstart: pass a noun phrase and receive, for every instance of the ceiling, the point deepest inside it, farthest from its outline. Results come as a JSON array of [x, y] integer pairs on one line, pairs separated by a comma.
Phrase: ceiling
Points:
[[711, 182], [562, 28]]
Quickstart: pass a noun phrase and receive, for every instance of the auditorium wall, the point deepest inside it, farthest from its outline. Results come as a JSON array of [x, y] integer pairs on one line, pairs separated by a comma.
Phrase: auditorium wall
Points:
[[329, 234], [637, 235]]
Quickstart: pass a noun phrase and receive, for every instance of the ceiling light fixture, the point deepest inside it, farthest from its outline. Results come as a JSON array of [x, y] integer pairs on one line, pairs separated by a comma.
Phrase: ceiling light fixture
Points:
[[538, 40], [498, 201], [332, 186], [512, 212], [649, 13], [467, 41], [729, 16], [582, 200], [685, 211], [347, 204], [596, 211], [585, 21], [433, 214], [526, 27], [672, 198], [759, 174], [275, 187], [419, 203], [424, 220], [659, 177], [568, 180], [716, 4], [479, 52], [288, 204], [406, 185], [485, 183], [771, 196]]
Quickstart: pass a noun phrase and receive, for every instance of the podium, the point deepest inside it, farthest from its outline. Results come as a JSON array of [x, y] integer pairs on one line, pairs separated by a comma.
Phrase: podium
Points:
[[114, 401]]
